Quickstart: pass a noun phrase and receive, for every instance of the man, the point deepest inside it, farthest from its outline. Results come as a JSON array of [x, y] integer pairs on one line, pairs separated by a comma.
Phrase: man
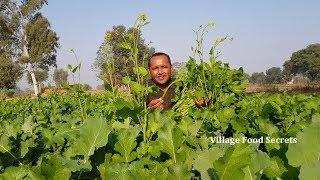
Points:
[[160, 70]]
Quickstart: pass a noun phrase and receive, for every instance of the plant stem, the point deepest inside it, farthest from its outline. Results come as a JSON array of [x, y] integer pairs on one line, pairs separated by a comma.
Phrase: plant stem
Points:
[[165, 92]]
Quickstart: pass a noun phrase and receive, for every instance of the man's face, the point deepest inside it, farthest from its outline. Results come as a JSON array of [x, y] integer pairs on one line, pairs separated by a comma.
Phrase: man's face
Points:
[[160, 69]]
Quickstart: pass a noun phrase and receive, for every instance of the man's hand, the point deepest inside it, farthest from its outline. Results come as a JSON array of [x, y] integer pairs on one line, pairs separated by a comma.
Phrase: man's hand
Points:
[[154, 104], [200, 103]]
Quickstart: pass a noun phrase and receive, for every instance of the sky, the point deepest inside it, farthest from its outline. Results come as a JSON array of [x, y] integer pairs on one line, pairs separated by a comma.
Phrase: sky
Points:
[[265, 33]]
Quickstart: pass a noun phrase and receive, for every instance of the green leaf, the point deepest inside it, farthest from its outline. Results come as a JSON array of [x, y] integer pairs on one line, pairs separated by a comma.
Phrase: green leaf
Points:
[[116, 171], [307, 148], [204, 162], [199, 94], [25, 145], [169, 139], [52, 168], [13, 172], [179, 171], [276, 168], [135, 87], [310, 171], [260, 161], [125, 145], [236, 158], [65, 131], [75, 69], [124, 45], [143, 71], [93, 134], [4, 143], [28, 125], [126, 80], [195, 127], [125, 125], [69, 67], [225, 114], [103, 78]]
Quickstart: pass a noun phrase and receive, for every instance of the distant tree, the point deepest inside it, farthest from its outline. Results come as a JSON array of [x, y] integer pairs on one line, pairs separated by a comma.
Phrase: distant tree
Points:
[[306, 62], [85, 87], [60, 76], [110, 55], [40, 75], [246, 76], [10, 73], [28, 36], [274, 75], [258, 78]]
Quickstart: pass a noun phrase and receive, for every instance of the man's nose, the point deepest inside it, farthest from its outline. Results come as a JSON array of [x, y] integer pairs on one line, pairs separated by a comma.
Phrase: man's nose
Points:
[[160, 71]]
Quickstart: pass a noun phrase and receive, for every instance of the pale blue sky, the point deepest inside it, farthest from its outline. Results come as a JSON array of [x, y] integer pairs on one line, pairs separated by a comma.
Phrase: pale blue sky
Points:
[[265, 33]]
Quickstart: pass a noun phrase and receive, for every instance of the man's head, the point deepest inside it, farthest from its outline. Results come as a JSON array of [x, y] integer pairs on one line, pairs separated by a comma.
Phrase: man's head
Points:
[[160, 68]]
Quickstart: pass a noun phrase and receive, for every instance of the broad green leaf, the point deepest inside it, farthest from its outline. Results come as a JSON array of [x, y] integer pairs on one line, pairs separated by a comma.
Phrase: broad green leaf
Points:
[[126, 143], [11, 129], [260, 161], [52, 168], [25, 145], [204, 162], [93, 134], [28, 125], [65, 132], [169, 139], [276, 168], [4, 143], [195, 127], [307, 148], [119, 125], [179, 171], [310, 171], [124, 45], [140, 71], [14, 172], [236, 158], [117, 171], [225, 114], [135, 87]]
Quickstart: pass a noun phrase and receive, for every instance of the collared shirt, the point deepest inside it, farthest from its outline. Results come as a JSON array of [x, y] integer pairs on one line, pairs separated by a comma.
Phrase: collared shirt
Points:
[[167, 98]]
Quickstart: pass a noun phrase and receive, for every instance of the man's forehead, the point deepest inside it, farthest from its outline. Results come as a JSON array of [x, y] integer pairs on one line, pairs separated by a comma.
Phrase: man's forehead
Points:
[[159, 59]]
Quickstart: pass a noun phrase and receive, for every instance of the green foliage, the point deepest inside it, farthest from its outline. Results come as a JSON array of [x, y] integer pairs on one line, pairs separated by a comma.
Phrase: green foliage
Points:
[[308, 145], [305, 61], [41, 43], [41, 76], [116, 49], [258, 78], [60, 76], [10, 73], [27, 36], [235, 159], [274, 75]]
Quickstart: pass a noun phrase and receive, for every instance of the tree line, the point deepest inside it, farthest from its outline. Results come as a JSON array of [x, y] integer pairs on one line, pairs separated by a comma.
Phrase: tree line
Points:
[[303, 66]]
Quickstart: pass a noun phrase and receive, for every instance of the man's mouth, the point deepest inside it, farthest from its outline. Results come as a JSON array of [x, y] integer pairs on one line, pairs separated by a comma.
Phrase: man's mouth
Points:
[[161, 78]]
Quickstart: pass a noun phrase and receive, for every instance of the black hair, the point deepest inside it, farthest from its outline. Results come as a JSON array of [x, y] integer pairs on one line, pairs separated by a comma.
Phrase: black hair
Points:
[[159, 54]]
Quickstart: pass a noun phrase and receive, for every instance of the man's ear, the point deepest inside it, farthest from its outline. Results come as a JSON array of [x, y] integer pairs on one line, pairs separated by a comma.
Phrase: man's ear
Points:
[[172, 69]]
